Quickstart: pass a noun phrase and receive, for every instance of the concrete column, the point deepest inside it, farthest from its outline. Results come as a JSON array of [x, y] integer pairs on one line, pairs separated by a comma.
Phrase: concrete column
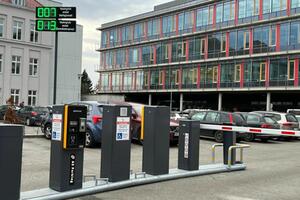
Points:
[[268, 107], [220, 102], [150, 99], [181, 102]]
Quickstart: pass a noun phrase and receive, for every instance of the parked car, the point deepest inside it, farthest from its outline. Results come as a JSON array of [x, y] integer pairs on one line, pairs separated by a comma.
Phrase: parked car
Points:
[[30, 115], [285, 120], [295, 112], [218, 118], [259, 120], [176, 116], [136, 124]]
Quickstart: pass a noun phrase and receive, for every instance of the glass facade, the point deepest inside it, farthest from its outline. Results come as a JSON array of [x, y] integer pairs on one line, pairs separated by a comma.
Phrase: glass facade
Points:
[[255, 55]]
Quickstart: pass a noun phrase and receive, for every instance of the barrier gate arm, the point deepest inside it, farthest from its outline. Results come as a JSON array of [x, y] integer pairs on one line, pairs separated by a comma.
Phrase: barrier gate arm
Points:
[[275, 132]]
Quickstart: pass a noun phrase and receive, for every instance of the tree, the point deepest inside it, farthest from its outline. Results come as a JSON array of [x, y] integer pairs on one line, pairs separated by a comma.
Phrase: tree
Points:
[[86, 84]]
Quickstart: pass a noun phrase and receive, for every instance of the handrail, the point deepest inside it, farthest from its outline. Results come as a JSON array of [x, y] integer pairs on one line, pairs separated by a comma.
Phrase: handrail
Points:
[[238, 146], [214, 151]]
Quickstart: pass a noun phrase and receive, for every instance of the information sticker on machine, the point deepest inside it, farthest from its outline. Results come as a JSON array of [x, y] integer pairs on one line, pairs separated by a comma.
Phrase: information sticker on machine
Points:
[[56, 127], [123, 129]]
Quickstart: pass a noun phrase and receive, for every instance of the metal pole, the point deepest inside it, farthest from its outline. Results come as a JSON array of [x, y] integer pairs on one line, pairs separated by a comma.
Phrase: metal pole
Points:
[[55, 68], [181, 102], [220, 102]]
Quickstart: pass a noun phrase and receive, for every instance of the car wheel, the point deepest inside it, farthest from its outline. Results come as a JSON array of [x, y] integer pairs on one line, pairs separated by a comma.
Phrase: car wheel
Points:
[[89, 139], [27, 122], [48, 131], [249, 137], [219, 136]]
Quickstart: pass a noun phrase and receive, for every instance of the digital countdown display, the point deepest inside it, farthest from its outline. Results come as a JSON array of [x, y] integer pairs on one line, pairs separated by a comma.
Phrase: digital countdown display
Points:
[[49, 19], [55, 12]]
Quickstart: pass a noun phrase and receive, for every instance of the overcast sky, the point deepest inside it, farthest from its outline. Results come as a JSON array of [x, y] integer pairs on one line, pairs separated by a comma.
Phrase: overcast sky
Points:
[[92, 13]]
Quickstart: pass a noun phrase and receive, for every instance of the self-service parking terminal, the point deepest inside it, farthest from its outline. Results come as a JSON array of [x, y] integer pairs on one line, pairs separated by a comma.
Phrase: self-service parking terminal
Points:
[[116, 143], [67, 145]]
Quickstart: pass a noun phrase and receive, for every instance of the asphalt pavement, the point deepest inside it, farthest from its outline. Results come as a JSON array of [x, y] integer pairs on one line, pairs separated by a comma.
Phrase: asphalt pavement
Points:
[[273, 173]]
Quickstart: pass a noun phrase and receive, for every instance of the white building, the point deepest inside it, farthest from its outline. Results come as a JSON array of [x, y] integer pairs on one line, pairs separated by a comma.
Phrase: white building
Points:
[[27, 57]]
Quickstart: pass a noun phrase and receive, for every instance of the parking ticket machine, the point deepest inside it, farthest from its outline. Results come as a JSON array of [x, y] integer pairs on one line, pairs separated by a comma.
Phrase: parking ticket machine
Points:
[[68, 141]]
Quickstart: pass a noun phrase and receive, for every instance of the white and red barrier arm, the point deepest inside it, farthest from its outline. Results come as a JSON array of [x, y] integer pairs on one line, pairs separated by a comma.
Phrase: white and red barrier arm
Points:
[[275, 132]]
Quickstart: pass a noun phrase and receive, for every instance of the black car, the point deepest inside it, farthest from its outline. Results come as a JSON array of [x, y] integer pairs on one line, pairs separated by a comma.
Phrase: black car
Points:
[[218, 118], [30, 115], [260, 120]]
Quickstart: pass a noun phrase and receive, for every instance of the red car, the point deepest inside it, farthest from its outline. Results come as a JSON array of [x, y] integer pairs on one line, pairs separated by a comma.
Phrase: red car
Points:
[[136, 125]]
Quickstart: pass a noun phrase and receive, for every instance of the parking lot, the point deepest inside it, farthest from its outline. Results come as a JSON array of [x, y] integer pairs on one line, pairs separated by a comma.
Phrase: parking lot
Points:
[[272, 173]]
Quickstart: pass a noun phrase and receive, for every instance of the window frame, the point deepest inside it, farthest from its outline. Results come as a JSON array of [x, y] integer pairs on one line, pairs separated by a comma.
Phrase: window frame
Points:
[[2, 24], [17, 28], [215, 74], [246, 33], [15, 95], [239, 73], [32, 97], [262, 72], [223, 43], [289, 70], [17, 63], [202, 46], [160, 78], [271, 36], [33, 65], [177, 71], [33, 32]]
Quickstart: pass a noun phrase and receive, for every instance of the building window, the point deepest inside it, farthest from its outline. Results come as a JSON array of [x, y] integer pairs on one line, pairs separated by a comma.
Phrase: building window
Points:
[[166, 51], [15, 95], [274, 5], [177, 77], [223, 42], [161, 75], [17, 30], [248, 8], [16, 64], [1, 62], [211, 15], [272, 33], [237, 73], [229, 8], [291, 70], [151, 54], [203, 47], [19, 2], [262, 71], [246, 40], [33, 67], [181, 49], [32, 97], [195, 76], [295, 3], [146, 80], [1, 27], [33, 33], [215, 74]]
